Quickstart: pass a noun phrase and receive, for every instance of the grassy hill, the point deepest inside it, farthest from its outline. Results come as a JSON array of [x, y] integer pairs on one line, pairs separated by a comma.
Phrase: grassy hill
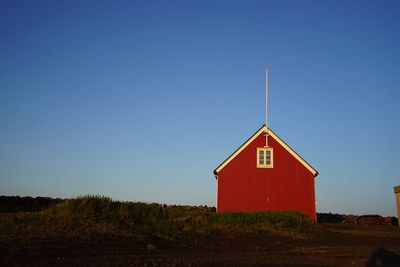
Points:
[[97, 231], [94, 216]]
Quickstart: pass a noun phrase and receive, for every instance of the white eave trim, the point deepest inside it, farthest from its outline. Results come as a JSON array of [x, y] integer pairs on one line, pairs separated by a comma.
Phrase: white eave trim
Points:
[[262, 129], [280, 141]]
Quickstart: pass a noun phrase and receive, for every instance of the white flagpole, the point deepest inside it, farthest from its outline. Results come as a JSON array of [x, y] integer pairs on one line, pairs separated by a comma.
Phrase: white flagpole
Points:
[[266, 106]]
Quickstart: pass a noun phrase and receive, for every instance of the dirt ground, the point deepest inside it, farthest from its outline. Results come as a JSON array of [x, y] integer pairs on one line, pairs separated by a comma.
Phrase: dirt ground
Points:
[[329, 245]]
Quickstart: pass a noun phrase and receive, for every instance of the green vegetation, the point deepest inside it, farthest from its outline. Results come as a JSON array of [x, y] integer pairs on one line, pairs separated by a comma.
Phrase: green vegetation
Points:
[[94, 216]]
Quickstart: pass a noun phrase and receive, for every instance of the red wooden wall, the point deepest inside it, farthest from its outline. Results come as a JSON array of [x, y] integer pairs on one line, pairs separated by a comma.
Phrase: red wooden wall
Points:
[[289, 185]]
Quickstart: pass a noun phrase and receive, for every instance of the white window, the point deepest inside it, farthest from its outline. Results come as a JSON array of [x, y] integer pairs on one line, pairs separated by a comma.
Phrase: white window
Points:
[[265, 157]]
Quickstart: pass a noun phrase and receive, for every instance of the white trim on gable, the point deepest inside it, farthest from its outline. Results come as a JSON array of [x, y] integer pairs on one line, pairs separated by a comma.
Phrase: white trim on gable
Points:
[[280, 141], [294, 154], [220, 167]]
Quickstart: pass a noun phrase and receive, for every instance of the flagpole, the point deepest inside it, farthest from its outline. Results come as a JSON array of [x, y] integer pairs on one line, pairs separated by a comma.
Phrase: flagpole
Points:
[[266, 106]]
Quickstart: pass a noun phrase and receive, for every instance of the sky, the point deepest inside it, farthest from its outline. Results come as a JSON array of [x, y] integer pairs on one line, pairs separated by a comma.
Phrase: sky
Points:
[[142, 100]]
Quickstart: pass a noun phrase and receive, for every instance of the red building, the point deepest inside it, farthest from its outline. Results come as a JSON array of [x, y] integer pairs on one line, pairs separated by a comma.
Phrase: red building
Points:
[[257, 177]]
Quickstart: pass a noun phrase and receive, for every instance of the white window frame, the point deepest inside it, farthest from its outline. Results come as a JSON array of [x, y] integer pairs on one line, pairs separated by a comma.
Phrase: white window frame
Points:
[[264, 163]]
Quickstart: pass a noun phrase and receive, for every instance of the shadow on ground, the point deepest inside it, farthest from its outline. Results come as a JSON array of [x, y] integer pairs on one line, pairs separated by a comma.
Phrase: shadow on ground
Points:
[[383, 258]]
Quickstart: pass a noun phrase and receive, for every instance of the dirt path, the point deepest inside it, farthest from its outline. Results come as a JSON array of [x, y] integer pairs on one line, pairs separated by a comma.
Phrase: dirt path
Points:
[[330, 245]]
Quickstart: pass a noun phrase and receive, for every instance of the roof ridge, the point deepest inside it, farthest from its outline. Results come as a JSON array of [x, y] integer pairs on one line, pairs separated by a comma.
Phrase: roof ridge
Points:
[[278, 139]]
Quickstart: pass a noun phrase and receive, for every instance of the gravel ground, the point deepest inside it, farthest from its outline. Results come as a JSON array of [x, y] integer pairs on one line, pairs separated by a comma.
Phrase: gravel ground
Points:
[[329, 245]]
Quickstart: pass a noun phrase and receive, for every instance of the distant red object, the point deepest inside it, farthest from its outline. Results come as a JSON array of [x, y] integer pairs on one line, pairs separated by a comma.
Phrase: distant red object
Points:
[[370, 220], [286, 185]]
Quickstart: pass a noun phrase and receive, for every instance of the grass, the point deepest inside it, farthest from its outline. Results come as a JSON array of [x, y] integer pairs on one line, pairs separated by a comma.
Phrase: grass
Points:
[[97, 216]]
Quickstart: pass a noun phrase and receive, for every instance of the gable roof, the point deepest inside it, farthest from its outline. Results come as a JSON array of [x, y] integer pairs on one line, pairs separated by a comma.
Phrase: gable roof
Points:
[[279, 140]]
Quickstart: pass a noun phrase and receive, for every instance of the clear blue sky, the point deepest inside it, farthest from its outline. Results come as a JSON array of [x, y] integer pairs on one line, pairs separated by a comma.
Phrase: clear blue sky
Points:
[[141, 100]]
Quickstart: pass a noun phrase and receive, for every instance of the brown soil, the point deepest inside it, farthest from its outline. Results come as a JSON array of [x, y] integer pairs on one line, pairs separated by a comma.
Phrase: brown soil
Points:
[[329, 245]]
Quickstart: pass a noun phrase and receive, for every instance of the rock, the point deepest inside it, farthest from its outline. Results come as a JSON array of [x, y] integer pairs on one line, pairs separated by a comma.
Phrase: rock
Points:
[[151, 247]]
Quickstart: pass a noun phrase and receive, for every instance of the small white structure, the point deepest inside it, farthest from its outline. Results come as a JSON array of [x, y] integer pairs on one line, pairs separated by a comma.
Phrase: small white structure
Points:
[[397, 192]]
